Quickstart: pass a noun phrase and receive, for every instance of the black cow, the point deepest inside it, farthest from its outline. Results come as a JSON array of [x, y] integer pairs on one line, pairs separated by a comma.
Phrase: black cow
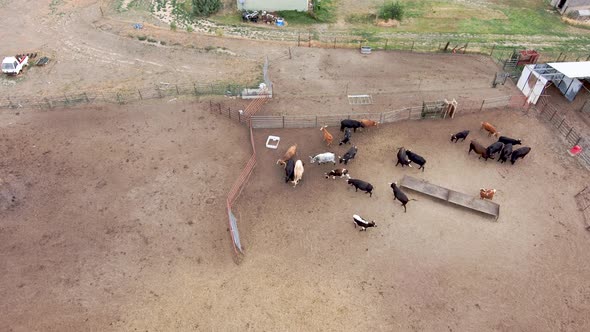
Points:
[[290, 170], [402, 157], [506, 140], [416, 158], [350, 154], [347, 136], [506, 152], [350, 124], [519, 153], [362, 223], [339, 172], [493, 149], [362, 185], [399, 195], [460, 135]]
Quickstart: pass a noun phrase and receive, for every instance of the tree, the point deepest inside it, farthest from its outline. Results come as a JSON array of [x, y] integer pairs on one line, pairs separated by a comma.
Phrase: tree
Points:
[[206, 7], [392, 10]]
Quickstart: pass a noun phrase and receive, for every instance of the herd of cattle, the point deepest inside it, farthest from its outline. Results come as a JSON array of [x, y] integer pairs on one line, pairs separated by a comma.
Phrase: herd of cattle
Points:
[[294, 168]]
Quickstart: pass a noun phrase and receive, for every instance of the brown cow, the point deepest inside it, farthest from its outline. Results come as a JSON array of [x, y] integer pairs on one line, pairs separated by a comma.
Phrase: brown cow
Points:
[[479, 149], [487, 193], [327, 136], [368, 123], [490, 129], [288, 155]]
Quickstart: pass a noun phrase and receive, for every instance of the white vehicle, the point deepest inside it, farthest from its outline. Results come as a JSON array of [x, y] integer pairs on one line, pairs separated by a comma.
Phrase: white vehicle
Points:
[[14, 65]]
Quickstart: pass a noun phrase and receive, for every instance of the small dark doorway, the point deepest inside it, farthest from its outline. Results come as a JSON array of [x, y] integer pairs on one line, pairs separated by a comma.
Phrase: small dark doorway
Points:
[[561, 3]]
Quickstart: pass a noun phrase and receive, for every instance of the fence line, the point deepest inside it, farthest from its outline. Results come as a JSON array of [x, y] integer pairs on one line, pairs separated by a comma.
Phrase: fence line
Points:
[[406, 113], [243, 117], [564, 129]]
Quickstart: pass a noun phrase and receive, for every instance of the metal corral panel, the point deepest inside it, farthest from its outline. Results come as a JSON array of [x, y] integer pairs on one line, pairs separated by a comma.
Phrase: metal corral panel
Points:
[[503, 101], [331, 120], [273, 5], [394, 116], [300, 121], [267, 121]]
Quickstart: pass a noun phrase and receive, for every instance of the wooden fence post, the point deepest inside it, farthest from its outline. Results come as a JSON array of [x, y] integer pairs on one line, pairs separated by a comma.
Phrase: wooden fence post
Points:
[[386, 42], [177, 92], [283, 121], [316, 121], [299, 39], [481, 107], [159, 92], [140, 96], [492, 51], [67, 100], [86, 96], [465, 49], [334, 42], [309, 39], [412, 49]]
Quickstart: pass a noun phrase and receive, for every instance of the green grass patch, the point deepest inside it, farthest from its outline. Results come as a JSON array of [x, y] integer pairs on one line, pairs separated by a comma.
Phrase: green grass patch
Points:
[[522, 21], [324, 11]]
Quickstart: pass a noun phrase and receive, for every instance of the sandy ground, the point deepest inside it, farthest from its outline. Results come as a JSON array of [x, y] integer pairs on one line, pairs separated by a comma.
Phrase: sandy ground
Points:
[[118, 224], [113, 217], [436, 267], [321, 79]]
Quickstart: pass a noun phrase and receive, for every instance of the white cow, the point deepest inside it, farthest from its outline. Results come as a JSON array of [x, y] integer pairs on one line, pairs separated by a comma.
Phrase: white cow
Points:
[[322, 158], [298, 173]]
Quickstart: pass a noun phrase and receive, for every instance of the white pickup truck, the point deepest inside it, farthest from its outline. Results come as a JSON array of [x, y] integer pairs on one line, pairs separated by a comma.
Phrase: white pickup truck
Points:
[[13, 65]]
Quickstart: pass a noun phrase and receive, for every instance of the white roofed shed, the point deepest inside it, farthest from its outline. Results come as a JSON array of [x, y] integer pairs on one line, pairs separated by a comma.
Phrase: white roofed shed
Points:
[[565, 76]]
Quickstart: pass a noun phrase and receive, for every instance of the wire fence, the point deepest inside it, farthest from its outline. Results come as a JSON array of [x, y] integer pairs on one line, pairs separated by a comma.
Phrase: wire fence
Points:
[[565, 129], [129, 95], [426, 45], [406, 113]]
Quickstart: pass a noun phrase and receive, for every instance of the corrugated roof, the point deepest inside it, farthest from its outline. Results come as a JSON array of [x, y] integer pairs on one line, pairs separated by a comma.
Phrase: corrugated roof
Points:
[[573, 69]]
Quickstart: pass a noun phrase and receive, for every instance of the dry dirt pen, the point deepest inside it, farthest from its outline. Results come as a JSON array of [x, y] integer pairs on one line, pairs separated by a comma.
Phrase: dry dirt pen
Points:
[[318, 81], [435, 265]]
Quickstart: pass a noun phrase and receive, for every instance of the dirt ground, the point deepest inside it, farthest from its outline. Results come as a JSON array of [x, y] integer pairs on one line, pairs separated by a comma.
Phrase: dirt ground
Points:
[[113, 220], [320, 80], [113, 217], [436, 267]]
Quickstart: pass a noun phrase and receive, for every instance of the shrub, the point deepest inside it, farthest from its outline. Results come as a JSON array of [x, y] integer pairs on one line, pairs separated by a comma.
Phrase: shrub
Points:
[[392, 10], [162, 42], [189, 29], [142, 38], [151, 40], [206, 7], [173, 26]]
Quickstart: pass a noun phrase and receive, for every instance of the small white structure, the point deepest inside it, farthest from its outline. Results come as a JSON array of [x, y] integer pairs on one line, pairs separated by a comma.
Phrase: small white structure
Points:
[[272, 142], [273, 5], [564, 75]]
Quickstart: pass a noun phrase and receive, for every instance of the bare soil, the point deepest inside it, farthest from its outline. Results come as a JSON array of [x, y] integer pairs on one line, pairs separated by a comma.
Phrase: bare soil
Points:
[[112, 218]]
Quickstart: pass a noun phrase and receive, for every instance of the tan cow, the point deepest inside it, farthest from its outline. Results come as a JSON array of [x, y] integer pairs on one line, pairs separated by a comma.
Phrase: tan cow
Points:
[[369, 123], [298, 173], [487, 193], [288, 155], [327, 136], [490, 129]]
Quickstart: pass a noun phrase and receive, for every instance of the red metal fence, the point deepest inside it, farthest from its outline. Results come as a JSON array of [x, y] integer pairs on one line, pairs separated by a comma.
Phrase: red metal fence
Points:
[[235, 191]]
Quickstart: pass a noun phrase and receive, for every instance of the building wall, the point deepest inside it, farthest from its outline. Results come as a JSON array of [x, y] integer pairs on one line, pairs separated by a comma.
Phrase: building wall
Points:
[[571, 5], [273, 5]]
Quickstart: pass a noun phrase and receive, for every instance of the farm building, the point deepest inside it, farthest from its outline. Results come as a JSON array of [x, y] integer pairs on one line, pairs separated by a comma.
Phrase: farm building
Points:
[[273, 5], [568, 77], [567, 6]]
